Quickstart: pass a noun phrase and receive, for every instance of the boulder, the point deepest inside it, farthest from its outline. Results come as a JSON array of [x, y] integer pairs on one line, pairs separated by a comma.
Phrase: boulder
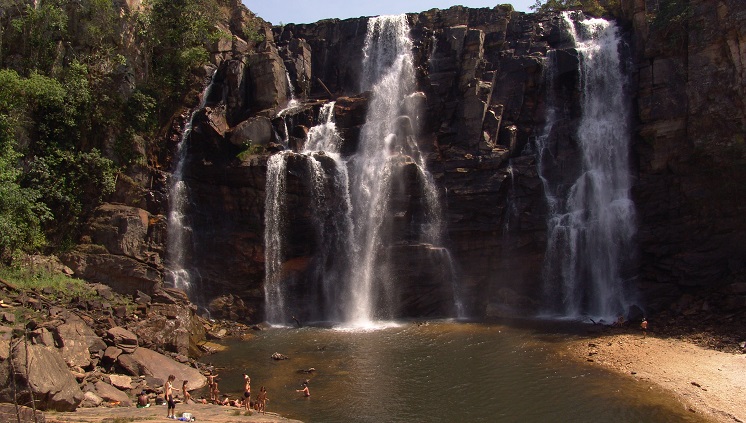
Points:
[[122, 382], [123, 230], [150, 363], [11, 413], [122, 339], [268, 83], [124, 274], [112, 395], [90, 399], [42, 372], [253, 131], [111, 354], [78, 341]]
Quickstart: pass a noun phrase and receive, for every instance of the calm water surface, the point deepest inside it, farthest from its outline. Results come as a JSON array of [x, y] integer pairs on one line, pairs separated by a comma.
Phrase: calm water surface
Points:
[[438, 372]]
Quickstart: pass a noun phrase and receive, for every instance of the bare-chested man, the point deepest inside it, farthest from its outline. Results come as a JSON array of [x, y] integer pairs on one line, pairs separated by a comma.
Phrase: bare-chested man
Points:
[[247, 391]]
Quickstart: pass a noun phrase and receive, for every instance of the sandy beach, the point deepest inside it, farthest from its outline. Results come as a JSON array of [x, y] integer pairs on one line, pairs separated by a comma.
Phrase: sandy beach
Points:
[[707, 382]]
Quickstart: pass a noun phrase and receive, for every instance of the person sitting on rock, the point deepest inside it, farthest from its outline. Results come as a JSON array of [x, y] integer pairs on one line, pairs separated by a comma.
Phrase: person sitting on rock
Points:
[[142, 400]]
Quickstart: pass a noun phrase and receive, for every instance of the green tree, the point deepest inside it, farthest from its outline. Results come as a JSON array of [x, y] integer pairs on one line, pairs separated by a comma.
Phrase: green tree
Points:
[[593, 7], [178, 31], [22, 212]]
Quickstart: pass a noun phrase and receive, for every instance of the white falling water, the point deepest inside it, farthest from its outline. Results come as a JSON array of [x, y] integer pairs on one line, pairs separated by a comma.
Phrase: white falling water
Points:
[[593, 223], [179, 231], [333, 215], [274, 237], [388, 72], [333, 222], [352, 211], [292, 105]]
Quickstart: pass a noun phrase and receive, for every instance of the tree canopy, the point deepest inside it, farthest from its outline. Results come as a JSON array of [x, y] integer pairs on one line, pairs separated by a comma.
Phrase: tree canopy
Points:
[[85, 87]]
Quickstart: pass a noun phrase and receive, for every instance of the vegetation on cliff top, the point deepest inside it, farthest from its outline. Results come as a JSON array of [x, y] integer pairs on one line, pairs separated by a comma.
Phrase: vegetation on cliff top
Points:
[[85, 87]]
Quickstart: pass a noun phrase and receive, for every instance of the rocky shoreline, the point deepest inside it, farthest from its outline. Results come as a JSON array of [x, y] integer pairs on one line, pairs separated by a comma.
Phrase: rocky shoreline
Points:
[[64, 351]]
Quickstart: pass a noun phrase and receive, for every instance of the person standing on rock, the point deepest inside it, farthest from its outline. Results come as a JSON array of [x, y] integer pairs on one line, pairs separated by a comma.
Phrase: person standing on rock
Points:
[[644, 327], [212, 384], [247, 391], [262, 400], [169, 393]]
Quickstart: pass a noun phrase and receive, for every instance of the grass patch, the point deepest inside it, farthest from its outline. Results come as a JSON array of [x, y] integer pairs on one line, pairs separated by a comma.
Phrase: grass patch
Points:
[[62, 286]]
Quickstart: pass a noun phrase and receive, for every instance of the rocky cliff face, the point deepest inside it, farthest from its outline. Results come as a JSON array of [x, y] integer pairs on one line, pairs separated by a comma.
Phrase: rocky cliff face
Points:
[[690, 153], [483, 101]]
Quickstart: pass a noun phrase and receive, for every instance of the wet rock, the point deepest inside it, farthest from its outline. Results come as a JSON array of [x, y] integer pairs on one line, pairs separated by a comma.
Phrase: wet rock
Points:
[[278, 356]]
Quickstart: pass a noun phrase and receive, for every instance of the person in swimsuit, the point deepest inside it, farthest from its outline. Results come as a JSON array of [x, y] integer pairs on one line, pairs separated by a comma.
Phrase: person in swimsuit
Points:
[[306, 392], [187, 395], [262, 400], [247, 391], [169, 393], [212, 386]]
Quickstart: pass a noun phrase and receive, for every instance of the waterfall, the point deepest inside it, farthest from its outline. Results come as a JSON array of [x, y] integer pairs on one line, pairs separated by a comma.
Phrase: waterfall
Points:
[[293, 104], [274, 237], [592, 223], [357, 201], [331, 211], [388, 72], [179, 231]]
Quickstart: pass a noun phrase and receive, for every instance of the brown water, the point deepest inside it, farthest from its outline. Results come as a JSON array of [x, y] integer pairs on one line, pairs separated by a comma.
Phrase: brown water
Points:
[[438, 372]]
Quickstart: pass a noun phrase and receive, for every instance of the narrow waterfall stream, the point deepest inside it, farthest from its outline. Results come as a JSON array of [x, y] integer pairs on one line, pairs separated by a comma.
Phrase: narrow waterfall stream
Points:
[[179, 234], [592, 222]]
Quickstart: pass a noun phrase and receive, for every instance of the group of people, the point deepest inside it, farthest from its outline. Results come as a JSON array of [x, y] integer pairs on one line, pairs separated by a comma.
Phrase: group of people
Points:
[[258, 405]]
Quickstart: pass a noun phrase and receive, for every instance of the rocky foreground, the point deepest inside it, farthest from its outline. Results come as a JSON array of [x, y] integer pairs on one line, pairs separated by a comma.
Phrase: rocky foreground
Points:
[[87, 347]]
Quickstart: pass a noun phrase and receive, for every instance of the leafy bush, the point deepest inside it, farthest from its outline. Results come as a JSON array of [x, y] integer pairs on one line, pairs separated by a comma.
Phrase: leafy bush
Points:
[[593, 7], [671, 20]]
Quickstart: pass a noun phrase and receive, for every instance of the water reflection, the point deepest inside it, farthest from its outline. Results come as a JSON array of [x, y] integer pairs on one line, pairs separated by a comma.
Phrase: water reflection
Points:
[[437, 372]]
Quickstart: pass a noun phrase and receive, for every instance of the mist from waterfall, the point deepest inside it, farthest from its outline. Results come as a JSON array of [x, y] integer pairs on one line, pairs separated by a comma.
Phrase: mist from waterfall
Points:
[[179, 231], [592, 223]]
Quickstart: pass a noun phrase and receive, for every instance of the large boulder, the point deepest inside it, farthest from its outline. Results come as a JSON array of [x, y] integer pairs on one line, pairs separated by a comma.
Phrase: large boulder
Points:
[[124, 274], [145, 362], [122, 339], [78, 341], [122, 230], [112, 395], [254, 131], [40, 373]]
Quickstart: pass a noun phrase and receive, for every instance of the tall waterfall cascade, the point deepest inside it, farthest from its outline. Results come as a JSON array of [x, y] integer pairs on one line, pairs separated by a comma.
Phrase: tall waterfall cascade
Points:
[[179, 233], [354, 198], [591, 221]]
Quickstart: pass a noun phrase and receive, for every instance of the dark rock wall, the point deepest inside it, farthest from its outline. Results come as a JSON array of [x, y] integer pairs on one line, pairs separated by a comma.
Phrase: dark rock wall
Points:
[[690, 150]]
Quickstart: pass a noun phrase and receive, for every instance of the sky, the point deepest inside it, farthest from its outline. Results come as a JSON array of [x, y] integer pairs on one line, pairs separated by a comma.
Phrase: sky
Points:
[[307, 11]]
